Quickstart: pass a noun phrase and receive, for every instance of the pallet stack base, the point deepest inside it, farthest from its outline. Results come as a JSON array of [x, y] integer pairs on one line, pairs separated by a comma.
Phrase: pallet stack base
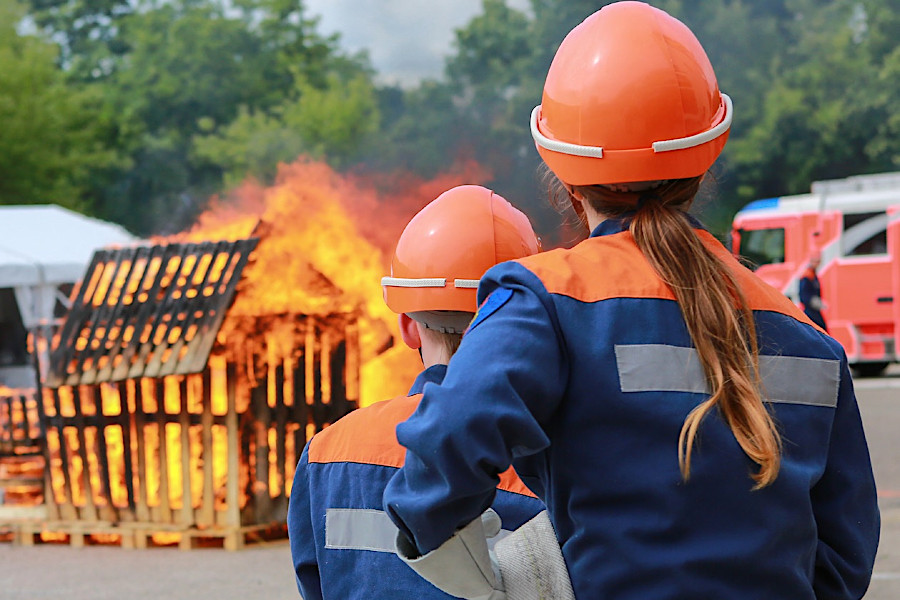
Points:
[[78, 534]]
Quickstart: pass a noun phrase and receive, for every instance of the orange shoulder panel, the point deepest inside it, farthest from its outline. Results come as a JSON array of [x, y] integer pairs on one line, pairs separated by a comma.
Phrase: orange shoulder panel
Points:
[[612, 266], [510, 482], [368, 436]]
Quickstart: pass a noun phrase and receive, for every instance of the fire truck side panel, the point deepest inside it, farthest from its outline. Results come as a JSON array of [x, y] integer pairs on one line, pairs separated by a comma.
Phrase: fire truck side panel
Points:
[[851, 289], [893, 234], [848, 224]]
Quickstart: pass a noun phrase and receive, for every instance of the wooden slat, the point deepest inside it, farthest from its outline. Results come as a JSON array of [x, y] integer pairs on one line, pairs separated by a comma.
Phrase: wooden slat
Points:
[[89, 512], [325, 365], [309, 361], [207, 511], [126, 421], [187, 508], [163, 455], [232, 498], [300, 410], [63, 452], [108, 510], [340, 404], [139, 433], [262, 497], [280, 429]]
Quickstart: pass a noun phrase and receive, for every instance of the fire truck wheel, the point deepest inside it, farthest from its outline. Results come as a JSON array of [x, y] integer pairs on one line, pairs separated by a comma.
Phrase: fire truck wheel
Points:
[[871, 369]]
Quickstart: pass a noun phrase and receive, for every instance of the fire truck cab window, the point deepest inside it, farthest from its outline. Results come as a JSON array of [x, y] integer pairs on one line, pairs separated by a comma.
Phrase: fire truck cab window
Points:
[[762, 246], [865, 234], [13, 337]]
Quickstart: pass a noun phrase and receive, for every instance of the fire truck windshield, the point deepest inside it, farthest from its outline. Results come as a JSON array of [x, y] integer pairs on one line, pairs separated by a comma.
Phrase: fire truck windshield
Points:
[[761, 246]]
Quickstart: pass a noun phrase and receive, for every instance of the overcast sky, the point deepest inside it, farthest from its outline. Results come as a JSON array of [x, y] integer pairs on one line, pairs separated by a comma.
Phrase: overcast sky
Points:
[[406, 39]]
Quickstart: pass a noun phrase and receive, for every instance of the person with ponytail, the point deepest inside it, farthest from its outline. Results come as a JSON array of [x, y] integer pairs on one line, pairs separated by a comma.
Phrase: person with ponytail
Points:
[[692, 433]]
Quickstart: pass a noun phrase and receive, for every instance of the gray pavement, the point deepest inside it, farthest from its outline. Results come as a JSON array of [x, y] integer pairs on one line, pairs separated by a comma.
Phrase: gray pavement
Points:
[[52, 572], [263, 571], [879, 403]]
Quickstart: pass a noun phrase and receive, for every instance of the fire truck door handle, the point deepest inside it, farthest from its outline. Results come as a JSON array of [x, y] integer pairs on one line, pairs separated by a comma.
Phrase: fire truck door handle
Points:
[[885, 299]]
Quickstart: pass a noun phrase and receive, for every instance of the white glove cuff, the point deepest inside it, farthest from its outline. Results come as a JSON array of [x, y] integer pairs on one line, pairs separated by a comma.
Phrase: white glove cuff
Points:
[[461, 566]]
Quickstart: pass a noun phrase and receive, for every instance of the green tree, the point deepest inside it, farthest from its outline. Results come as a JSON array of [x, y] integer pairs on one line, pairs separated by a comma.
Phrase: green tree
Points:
[[51, 139], [328, 123], [174, 72], [830, 111]]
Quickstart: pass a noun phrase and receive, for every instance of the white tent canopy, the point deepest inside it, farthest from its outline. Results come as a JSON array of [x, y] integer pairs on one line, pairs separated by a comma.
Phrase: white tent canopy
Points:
[[48, 244], [43, 246]]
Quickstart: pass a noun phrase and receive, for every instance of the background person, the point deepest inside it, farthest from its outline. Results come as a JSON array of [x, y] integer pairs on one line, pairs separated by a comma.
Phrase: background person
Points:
[[811, 292], [691, 432], [341, 543]]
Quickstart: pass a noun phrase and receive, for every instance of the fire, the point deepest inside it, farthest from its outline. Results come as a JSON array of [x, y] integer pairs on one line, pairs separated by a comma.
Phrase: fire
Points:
[[326, 243]]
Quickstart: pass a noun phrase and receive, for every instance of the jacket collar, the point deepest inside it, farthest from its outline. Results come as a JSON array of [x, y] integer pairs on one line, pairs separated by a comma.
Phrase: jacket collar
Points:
[[433, 374], [621, 223]]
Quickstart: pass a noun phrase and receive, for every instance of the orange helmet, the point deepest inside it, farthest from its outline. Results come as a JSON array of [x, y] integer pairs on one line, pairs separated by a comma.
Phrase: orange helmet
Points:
[[630, 96], [447, 247]]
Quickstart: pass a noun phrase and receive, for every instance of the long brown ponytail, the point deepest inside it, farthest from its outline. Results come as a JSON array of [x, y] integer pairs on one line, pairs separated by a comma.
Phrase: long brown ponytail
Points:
[[717, 315]]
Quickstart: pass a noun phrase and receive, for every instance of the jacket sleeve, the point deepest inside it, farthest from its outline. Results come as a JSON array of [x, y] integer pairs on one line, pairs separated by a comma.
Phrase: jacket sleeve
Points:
[[845, 505], [302, 534], [502, 384]]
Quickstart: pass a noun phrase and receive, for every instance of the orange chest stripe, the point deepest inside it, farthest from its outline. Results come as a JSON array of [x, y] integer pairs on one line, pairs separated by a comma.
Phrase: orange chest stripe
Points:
[[368, 436], [612, 266]]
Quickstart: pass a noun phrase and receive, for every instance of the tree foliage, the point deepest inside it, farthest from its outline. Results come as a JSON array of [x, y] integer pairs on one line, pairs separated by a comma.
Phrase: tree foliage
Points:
[[51, 138], [153, 106]]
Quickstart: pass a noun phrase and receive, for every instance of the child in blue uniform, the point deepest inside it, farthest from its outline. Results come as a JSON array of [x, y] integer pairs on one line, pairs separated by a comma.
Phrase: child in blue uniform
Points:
[[342, 544], [691, 432]]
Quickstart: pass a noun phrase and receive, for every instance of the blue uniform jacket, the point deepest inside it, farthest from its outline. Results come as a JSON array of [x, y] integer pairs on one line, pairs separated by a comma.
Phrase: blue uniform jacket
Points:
[[342, 544], [578, 369]]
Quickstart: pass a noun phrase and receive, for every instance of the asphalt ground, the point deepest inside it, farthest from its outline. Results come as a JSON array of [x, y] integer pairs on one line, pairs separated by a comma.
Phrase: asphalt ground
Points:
[[263, 571]]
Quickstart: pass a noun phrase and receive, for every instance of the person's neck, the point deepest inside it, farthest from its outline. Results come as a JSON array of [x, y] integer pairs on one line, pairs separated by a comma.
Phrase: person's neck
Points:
[[593, 217], [434, 353]]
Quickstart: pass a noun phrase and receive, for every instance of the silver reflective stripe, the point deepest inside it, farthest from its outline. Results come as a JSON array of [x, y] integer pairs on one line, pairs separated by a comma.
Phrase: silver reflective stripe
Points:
[[359, 529], [367, 529], [789, 379], [412, 283], [466, 283]]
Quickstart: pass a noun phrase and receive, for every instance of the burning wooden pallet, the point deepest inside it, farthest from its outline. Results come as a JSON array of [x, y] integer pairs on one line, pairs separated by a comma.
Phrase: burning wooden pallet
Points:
[[165, 416], [21, 458]]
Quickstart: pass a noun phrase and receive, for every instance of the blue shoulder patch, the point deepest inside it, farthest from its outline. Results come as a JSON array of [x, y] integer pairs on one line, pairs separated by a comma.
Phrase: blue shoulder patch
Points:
[[498, 298]]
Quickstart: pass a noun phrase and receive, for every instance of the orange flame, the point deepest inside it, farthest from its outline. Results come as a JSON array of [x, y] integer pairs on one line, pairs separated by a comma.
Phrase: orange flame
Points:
[[325, 243]]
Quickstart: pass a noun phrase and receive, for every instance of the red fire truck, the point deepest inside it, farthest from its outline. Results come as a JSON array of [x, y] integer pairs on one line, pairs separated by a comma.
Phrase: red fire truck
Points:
[[854, 223]]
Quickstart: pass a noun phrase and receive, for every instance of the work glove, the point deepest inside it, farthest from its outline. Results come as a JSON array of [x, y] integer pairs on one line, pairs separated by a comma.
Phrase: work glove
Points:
[[461, 566], [531, 563]]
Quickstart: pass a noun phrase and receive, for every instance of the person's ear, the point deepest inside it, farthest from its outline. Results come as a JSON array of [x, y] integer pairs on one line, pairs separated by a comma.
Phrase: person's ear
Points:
[[573, 193], [409, 331]]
